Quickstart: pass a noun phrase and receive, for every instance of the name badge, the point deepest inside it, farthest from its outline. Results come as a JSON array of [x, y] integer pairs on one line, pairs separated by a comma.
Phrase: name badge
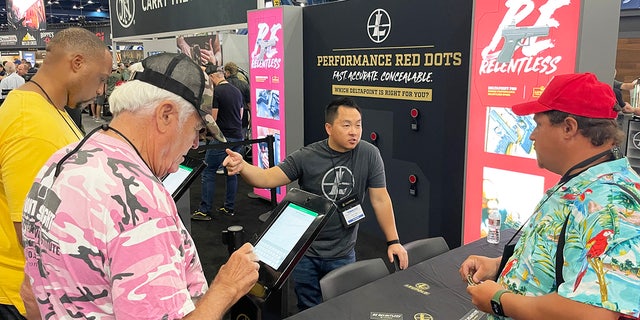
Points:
[[350, 210]]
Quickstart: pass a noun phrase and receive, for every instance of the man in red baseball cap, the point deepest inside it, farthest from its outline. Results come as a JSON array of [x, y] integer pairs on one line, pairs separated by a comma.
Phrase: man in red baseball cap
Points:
[[570, 261]]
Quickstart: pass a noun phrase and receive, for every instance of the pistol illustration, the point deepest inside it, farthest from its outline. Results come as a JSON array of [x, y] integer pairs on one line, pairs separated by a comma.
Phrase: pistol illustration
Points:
[[508, 135], [515, 36]]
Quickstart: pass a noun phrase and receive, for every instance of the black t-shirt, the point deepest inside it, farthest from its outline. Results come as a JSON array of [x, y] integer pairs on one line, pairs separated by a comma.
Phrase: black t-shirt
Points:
[[244, 88], [228, 100]]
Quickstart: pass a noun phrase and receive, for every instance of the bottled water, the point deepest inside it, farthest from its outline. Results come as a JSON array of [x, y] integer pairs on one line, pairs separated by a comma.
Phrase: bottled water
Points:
[[493, 236]]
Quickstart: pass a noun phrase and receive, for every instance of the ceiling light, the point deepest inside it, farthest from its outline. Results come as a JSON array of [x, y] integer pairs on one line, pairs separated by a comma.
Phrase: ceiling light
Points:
[[74, 7], [89, 2]]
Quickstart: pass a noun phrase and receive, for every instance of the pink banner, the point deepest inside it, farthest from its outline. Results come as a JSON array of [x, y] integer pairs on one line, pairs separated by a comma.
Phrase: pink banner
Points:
[[266, 51], [518, 46]]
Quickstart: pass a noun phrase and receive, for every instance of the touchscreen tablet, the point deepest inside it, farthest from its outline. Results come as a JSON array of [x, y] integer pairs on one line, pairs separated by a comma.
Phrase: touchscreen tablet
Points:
[[293, 226], [178, 182]]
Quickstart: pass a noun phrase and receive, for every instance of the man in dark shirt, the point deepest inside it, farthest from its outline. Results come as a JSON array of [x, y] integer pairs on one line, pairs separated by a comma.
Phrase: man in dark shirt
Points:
[[231, 74], [341, 168], [227, 110]]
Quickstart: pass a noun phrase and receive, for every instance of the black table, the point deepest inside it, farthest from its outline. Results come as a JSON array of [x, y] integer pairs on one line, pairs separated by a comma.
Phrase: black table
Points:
[[431, 288]]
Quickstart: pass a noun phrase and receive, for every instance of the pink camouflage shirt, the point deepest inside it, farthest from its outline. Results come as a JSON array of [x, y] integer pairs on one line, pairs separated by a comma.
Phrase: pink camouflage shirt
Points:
[[104, 240]]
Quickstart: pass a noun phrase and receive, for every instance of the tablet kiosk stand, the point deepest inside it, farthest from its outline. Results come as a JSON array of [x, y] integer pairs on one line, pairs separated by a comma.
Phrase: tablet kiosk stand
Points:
[[249, 307]]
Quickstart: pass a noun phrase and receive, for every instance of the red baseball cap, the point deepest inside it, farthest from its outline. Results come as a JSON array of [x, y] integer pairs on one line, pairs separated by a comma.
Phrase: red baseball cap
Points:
[[578, 94]]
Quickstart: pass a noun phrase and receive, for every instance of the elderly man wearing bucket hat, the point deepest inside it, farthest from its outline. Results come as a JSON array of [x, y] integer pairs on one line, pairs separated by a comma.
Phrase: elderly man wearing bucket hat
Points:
[[102, 236], [579, 253]]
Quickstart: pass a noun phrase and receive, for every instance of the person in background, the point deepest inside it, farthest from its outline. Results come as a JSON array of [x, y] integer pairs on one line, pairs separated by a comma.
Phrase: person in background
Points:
[[123, 69], [34, 125], [115, 79], [126, 73], [98, 103], [12, 80], [579, 253], [343, 168], [227, 111], [33, 69], [618, 86], [22, 69], [111, 245], [231, 74]]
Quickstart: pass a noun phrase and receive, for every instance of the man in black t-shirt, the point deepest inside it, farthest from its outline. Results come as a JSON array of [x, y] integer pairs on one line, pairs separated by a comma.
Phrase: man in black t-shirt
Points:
[[227, 111], [231, 74]]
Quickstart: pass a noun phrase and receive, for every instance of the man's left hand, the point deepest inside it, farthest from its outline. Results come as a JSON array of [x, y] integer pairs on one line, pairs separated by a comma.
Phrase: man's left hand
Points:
[[482, 293]]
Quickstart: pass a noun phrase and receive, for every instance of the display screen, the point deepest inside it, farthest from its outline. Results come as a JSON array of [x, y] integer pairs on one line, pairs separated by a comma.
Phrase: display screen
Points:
[[282, 236], [173, 181], [26, 13]]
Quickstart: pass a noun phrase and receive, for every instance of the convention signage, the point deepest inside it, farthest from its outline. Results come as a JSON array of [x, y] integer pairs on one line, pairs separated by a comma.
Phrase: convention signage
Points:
[[31, 39], [21, 38], [142, 17], [518, 46], [406, 63], [266, 50]]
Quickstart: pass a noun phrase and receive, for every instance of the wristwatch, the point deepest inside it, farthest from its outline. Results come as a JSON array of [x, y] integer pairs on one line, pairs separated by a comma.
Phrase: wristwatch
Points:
[[496, 306]]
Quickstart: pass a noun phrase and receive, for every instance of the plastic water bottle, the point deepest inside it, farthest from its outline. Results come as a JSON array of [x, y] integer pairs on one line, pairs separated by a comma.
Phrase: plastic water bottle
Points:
[[494, 225]]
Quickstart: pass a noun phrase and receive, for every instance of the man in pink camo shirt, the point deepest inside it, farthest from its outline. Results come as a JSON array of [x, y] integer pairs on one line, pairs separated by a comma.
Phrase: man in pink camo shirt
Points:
[[102, 236]]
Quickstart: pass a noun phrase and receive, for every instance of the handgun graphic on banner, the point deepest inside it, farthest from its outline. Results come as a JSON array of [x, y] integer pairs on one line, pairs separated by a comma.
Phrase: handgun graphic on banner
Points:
[[509, 134], [517, 36]]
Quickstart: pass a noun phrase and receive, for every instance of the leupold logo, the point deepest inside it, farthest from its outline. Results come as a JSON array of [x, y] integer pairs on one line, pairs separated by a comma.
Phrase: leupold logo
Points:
[[337, 183], [126, 11], [379, 25], [420, 287], [422, 316]]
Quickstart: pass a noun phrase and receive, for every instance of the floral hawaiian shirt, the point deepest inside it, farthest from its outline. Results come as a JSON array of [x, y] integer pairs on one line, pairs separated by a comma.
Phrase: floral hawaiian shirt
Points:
[[602, 242]]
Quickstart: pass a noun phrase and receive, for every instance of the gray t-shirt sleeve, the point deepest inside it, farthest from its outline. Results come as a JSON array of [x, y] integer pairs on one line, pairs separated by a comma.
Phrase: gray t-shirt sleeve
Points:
[[290, 165], [376, 176]]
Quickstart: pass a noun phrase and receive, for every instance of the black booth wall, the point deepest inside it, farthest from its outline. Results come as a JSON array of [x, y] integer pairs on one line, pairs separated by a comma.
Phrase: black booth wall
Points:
[[437, 33]]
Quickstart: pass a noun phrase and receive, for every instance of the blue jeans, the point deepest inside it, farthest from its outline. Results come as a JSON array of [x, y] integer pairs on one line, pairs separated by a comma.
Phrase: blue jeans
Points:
[[213, 158], [308, 273]]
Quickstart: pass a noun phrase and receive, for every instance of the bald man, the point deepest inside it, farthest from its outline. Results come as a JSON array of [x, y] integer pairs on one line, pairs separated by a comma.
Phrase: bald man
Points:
[[12, 80], [34, 125]]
